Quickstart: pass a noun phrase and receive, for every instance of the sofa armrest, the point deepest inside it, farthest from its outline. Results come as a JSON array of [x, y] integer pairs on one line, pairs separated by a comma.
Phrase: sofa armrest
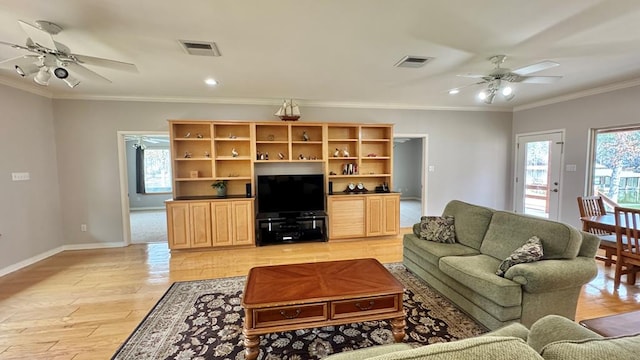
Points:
[[365, 353], [552, 328], [548, 275]]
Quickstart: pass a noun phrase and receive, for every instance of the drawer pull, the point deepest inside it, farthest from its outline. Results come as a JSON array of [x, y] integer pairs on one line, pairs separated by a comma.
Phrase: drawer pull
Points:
[[290, 316], [366, 307]]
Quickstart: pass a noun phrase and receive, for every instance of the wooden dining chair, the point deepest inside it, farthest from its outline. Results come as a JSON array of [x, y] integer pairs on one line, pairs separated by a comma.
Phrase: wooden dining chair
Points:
[[594, 206], [628, 244]]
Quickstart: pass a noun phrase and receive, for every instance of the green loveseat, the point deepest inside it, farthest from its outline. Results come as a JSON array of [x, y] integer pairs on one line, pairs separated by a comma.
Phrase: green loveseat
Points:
[[465, 272], [551, 338]]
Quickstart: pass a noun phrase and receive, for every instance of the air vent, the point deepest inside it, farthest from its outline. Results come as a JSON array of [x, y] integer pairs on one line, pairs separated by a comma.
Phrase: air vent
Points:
[[413, 61], [202, 48]]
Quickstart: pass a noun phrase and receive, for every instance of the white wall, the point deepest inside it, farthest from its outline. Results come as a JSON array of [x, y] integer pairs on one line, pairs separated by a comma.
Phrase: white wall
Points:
[[620, 107], [471, 152], [30, 221], [70, 149]]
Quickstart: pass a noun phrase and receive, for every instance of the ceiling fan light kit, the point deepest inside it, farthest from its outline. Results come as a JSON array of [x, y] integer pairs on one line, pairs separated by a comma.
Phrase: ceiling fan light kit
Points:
[[497, 80], [54, 58]]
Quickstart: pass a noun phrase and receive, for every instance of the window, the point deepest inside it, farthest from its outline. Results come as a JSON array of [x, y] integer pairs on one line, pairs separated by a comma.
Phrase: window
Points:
[[157, 170], [615, 165]]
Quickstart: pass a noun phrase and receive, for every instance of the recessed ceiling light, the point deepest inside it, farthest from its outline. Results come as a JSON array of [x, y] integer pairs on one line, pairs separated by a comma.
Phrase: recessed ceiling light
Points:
[[454, 91], [211, 82]]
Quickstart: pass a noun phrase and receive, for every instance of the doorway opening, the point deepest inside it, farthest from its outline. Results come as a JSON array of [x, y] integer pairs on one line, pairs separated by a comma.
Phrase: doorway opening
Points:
[[410, 177], [145, 184]]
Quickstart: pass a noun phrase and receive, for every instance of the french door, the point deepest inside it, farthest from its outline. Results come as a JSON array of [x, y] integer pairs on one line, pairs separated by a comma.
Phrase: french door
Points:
[[538, 174]]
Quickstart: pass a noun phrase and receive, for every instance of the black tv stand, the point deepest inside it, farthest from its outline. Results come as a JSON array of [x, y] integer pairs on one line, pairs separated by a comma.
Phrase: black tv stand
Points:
[[284, 228]]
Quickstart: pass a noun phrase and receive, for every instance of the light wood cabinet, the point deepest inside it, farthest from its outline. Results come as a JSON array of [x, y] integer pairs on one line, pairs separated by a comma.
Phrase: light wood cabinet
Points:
[[189, 224], [289, 142], [383, 212], [366, 215], [358, 153], [233, 222], [215, 223], [346, 216], [204, 152]]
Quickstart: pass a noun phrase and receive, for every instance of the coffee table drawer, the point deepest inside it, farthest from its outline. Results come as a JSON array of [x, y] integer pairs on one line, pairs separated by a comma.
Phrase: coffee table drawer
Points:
[[372, 305], [289, 315]]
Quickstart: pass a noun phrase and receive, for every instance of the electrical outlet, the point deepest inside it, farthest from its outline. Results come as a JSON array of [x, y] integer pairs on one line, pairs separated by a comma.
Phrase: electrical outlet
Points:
[[83, 227], [20, 176]]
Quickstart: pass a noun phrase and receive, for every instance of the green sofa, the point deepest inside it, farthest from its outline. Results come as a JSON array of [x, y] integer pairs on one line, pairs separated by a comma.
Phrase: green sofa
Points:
[[551, 337], [465, 272]]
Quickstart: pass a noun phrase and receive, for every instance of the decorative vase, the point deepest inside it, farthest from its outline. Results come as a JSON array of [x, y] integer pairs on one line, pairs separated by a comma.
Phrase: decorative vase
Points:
[[222, 191]]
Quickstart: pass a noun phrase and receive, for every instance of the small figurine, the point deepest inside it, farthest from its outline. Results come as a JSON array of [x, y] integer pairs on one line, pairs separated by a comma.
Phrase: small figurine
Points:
[[280, 156], [258, 155], [199, 136], [301, 157], [187, 135], [231, 136], [234, 152], [187, 155], [336, 153], [266, 156], [206, 154], [305, 137], [345, 152]]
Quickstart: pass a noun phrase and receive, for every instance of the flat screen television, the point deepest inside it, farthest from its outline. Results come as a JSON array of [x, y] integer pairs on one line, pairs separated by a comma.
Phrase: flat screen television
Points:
[[290, 193]]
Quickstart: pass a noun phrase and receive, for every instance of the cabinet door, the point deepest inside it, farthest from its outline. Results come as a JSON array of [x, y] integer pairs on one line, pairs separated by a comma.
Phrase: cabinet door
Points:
[[383, 215], [243, 222], [178, 226], [391, 218], [200, 214], [221, 223], [375, 215], [346, 217]]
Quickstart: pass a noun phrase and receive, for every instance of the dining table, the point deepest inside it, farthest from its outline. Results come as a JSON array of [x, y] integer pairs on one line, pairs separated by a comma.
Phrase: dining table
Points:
[[606, 222]]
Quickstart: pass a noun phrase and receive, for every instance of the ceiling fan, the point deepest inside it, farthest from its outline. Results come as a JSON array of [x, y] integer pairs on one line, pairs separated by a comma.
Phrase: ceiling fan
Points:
[[53, 58], [499, 78]]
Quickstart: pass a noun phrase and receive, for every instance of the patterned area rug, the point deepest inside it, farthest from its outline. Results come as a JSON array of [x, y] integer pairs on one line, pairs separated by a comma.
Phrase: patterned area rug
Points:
[[203, 320]]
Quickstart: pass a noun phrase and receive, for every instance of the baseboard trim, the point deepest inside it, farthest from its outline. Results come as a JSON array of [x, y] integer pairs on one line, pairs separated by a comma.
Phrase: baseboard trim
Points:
[[147, 208], [34, 259]]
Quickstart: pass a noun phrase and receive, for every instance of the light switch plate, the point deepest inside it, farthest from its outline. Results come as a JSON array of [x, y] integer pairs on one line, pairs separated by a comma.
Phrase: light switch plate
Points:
[[21, 176]]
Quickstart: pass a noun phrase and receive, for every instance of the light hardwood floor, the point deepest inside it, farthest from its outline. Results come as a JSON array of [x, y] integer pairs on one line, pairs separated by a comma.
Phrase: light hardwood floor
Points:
[[84, 304]]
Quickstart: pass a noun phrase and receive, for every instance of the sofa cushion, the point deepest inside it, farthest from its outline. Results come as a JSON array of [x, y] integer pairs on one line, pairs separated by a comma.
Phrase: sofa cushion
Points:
[[619, 348], [508, 231], [478, 272], [529, 252], [472, 222], [433, 251], [489, 347], [437, 228]]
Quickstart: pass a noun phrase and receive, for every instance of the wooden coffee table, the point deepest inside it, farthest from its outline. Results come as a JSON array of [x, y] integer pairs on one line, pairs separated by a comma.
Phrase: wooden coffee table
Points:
[[615, 325], [300, 296]]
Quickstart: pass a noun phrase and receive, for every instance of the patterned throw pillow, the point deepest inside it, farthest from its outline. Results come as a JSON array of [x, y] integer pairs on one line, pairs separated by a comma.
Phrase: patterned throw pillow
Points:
[[438, 229], [529, 252]]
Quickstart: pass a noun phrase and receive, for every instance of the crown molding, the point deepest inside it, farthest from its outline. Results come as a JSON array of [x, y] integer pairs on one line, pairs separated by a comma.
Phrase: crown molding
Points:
[[580, 94], [277, 102]]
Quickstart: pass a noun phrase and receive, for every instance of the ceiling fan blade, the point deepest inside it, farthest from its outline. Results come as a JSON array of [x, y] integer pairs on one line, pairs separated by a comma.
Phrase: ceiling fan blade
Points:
[[38, 36], [86, 73], [529, 69], [474, 76], [539, 79], [12, 61], [468, 85], [111, 64]]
